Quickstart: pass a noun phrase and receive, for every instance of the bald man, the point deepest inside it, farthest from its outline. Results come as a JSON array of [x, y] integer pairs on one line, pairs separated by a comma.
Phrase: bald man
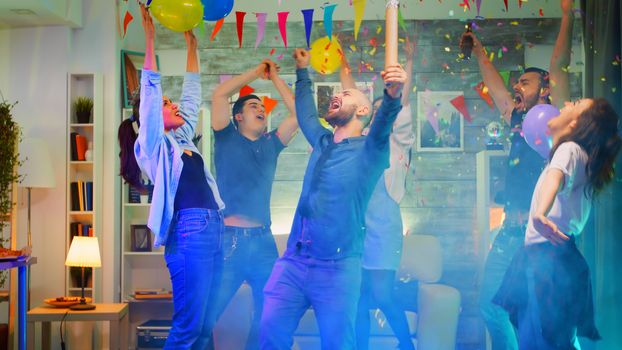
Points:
[[321, 266]]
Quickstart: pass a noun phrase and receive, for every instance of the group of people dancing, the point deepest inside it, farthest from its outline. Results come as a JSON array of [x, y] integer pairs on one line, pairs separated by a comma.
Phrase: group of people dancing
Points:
[[345, 242]]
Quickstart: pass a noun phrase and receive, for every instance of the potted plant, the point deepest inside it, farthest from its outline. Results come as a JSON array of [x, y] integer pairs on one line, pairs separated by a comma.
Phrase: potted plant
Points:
[[10, 133], [83, 107]]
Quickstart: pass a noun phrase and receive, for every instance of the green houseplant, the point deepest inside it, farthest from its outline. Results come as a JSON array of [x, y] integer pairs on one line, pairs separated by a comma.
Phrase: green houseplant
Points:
[[83, 107], [10, 134]]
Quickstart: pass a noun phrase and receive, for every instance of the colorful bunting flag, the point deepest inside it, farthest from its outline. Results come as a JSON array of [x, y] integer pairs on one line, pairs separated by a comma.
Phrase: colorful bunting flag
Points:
[[261, 27], [246, 90], [308, 16], [282, 18], [239, 21], [400, 20], [482, 90], [126, 21], [328, 20], [478, 4], [216, 29], [460, 105], [269, 104]]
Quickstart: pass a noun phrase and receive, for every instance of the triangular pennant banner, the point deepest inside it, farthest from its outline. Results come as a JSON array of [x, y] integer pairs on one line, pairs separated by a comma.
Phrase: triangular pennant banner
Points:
[[359, 11], [246, 90], [506, 76], [308, 16], [126, 21], [261, 27], [269, 104], [478, 4], [216, 28], [282, 18], [506, 5], [328, 20], [460, 105], [239, 21]]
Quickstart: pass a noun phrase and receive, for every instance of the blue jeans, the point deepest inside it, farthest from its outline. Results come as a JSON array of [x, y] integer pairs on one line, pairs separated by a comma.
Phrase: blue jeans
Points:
[[194, 260], [331, 287], [377, 290], [249, 255], [506, 244]]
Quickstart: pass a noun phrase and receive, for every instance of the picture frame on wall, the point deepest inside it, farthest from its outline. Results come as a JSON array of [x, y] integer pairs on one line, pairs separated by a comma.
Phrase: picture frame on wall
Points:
[[325, 90], [440, 126], [140, 238], [131, 68]]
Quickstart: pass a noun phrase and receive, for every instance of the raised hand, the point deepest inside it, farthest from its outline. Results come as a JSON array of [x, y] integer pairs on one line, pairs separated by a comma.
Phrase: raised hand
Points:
[[147, 22], [302, 58], [394, 77], [273, 70], [262, 69]]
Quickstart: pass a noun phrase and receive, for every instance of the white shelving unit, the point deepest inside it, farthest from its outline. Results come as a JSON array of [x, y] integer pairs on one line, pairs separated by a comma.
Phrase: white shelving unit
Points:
[[147, 269], [88, 85]]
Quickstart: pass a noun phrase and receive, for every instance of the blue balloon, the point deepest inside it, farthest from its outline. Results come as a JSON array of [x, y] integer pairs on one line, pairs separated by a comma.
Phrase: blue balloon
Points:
[[214, 10]]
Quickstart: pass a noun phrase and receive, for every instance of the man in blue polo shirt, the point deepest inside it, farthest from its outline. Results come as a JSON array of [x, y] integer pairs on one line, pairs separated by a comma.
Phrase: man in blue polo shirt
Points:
[[245, 157], [321, 267]]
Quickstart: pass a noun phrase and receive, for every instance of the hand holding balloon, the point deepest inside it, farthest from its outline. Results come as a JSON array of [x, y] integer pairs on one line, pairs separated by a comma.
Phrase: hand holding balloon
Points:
[[535, 129]]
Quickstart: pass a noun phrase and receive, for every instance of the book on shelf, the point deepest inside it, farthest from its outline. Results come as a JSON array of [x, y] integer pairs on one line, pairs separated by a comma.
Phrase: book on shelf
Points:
[[82, 196], [150, 291], [74, 146], [152, 294]]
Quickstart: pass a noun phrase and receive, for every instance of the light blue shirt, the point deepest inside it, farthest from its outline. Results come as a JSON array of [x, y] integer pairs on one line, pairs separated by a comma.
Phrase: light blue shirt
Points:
[[159, 153]]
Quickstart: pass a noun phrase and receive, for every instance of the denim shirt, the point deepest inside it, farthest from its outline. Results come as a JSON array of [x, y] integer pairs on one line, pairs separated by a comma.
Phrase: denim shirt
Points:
[[158, 153], [330, 217]]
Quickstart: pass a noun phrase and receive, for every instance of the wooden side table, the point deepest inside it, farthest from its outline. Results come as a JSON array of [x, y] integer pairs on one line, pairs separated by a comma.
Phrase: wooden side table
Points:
[[116, 314]]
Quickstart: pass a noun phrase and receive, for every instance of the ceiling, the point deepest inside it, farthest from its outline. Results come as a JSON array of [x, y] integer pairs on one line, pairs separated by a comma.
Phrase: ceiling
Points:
[[35, 13]]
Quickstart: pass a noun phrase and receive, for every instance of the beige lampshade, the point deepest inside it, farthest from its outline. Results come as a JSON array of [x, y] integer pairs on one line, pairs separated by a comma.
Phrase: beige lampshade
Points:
[[84, 251], [36, 169]]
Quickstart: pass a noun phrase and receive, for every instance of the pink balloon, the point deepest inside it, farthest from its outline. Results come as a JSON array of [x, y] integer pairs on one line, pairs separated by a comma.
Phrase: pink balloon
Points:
[[535, 129]]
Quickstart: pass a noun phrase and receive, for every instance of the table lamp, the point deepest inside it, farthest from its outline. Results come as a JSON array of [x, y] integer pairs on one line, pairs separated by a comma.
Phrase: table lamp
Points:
[[83, 252]]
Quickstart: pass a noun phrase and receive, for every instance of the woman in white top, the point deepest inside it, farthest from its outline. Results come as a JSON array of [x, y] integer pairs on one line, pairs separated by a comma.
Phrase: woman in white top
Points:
[[547, 289]]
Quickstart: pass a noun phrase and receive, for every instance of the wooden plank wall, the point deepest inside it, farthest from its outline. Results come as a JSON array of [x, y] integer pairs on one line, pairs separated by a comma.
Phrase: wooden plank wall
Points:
[[440, 199]]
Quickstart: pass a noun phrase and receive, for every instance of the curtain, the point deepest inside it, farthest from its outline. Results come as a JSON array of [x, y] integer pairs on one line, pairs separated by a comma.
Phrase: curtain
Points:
[[602, 34]]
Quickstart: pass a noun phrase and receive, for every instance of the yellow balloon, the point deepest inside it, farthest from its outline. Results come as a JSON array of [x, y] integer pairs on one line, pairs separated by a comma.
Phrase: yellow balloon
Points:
[[177, 15], [326, 55]]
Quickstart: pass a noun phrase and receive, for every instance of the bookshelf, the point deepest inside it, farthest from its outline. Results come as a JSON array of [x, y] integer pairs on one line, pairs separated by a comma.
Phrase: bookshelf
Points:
[[84, 175], [147, 269]]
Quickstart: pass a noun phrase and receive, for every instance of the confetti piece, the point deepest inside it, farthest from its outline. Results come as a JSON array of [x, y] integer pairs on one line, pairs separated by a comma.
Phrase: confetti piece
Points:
[[541, 13], [352, 48], [447, 49], [514, 23], [272, 52], [378, 29]]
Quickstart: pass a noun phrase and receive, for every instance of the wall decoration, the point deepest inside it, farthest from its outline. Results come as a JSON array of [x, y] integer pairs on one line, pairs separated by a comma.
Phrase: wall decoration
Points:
[[440, 126], [140, 238], [131, 68]]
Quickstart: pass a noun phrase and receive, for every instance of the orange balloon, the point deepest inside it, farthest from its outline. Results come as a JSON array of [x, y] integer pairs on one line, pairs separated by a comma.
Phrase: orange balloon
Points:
[[326, 55]]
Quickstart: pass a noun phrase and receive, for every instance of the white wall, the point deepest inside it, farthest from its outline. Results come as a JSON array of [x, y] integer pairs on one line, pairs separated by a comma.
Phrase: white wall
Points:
[[33, 70]]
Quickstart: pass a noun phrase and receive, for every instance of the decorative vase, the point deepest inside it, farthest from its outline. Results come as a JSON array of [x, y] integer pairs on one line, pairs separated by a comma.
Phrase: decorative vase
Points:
[[88, 155]]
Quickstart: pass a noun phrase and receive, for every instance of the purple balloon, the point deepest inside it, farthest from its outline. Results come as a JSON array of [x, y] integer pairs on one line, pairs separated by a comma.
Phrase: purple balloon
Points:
[[535, 129], [214, 10]]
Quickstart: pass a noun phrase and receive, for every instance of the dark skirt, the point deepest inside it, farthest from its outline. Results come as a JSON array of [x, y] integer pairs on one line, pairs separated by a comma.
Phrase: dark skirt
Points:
[[562, 285]]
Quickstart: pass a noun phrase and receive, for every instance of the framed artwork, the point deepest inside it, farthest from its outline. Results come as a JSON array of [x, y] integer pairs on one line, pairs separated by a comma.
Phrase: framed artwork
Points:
[[324, 91], [131, 68], [140, 238], [440, 126]]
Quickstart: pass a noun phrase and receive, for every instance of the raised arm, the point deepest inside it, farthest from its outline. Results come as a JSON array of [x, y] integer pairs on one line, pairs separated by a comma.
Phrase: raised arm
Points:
[[190, 101], [560, 60], [306, 111], [496, 86], [221, 112], [377, 141], [151, 131], [288, 127]]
